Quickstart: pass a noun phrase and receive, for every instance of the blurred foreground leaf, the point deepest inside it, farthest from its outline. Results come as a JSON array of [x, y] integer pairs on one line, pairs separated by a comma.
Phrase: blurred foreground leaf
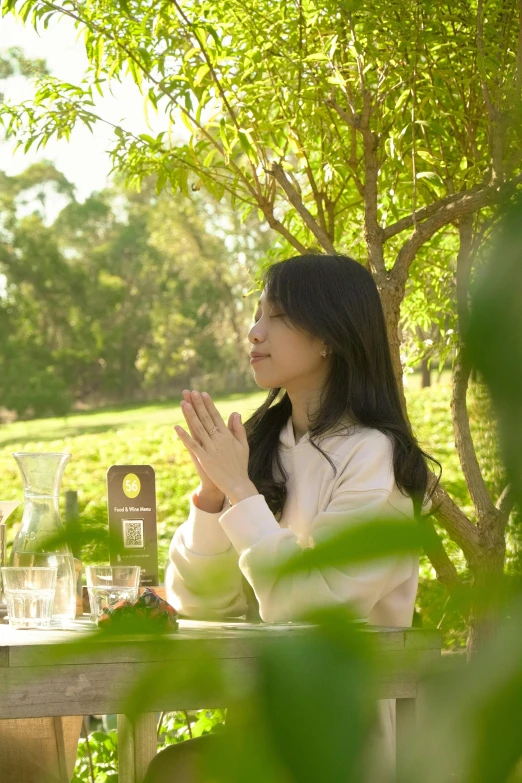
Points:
[[310, 715], [471, 730], [360, 543]]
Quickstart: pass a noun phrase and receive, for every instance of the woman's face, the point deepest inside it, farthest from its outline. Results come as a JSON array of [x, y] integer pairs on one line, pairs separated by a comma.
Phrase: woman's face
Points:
[[293, 357]]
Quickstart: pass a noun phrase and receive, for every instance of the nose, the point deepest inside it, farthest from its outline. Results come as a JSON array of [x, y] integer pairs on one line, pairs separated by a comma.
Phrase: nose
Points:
[[255, 334]]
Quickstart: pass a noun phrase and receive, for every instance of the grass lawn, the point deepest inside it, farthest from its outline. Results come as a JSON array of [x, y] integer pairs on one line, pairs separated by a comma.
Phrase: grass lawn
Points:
[[144, 435]]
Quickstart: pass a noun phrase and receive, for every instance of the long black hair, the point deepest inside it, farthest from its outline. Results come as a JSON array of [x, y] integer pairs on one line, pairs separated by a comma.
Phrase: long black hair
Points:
[[336, 300]]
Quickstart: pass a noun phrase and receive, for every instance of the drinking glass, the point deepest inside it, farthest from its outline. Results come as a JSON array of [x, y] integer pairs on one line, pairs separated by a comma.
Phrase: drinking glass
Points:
[[108, 584], [29, 594]]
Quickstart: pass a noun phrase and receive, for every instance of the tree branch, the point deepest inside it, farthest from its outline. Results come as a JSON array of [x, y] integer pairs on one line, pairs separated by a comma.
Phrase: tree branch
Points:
[[313, 184], [263, 203], [372, 229], [446, 572], [455, 523], [276, 224], [495, 134], [217, 82], [463, 440], [353, 121], [420, 215], [469, 202], [505, 504], [358, 58], [158, 83], [276, 170], [519, 50]]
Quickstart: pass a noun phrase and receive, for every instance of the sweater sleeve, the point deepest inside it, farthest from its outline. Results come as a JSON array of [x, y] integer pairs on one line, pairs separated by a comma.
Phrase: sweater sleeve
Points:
[[203, 579], [260, 541]]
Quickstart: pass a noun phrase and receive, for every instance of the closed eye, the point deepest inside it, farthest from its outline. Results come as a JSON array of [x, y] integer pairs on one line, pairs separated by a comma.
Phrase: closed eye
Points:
[[278, 315]]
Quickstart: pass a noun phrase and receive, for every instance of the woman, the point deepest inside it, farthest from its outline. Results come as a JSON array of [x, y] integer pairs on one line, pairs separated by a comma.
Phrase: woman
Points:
[[334, 447]]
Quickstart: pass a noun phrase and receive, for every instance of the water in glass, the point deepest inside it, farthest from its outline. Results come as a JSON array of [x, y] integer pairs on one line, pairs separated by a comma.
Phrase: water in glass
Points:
[[65, 597], [29, 594], [29, 608]]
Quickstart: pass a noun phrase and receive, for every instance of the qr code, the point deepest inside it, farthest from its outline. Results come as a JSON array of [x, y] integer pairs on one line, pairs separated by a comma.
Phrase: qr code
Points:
[[133, 533]]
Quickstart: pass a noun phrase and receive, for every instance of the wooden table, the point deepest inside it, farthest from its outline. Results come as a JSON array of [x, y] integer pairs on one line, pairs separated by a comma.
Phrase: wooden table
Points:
[[97, 677]]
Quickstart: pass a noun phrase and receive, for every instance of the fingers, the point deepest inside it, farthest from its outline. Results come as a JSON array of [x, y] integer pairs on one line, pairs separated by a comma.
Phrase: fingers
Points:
[[192, 456], [195, 461], [187, 398], [191, 444], [207, 412], [213, 411], [200, 433], [203, 414]]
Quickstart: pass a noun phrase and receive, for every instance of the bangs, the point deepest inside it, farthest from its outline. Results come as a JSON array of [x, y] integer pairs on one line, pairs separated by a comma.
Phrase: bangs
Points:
[[274, 285], [285, 286]]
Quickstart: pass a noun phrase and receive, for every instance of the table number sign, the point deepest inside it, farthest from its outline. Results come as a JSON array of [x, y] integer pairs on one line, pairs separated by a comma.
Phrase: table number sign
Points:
[[131, 501]]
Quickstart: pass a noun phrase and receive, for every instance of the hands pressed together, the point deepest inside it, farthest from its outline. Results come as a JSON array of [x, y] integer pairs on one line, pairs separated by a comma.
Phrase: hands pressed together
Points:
[[219, 451]]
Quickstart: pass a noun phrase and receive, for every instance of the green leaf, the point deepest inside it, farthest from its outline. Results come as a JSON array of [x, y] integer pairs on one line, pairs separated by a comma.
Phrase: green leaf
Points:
[[427, 156], [358, 543], [200, 74], [186, 121], [317, 57], [245, 143], [403, 97], [99, 55], [161, 181], [223, 136], [193, 50], [292, 692], [208, 159], [430, 175]]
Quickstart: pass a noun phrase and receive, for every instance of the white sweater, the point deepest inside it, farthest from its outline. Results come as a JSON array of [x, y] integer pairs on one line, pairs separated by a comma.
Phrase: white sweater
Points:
[[210, 553]]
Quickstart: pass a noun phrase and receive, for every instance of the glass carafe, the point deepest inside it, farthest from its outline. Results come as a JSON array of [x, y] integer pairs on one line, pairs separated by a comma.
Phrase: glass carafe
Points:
[[35, 543], [6, 509]]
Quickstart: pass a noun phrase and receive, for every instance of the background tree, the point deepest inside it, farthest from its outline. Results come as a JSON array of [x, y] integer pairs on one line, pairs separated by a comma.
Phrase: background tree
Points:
[[348, 127], [122, 297]]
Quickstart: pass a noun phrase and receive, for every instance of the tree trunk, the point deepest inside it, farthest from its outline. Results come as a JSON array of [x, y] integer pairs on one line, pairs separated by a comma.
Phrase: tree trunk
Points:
[[487, 580], [391, 298], [425, 374]]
